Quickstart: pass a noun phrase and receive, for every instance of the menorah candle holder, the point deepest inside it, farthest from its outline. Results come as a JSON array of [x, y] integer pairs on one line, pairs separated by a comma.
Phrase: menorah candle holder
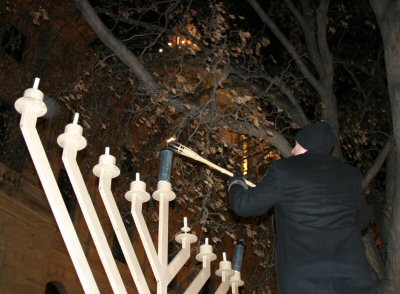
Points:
[[236, 281], [31, 106]]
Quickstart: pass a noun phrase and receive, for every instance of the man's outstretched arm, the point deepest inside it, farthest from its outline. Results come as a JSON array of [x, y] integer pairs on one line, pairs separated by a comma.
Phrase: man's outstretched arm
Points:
[[246, 201]]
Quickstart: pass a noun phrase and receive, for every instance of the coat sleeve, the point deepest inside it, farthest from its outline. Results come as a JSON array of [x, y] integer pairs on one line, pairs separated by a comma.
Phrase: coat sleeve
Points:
[[258, 200]]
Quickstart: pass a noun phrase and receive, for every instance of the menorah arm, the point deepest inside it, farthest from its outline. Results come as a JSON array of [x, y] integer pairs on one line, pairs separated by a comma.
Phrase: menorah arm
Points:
[[235, 288], [90, 215], [26, 107], [201, 277], [178, 262], [223, 287], [236, 282], [120, 230], [136, 210], [163, 219]]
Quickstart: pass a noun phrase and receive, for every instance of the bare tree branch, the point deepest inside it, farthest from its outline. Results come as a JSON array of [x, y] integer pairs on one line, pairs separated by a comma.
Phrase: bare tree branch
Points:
[[373, 255], [135, 22], [324, 86], [290, 105], [272, 136], [324, 51], [152, 27], [289, 47], [380, 159], [117, 46], [308, 32], [275, 138]]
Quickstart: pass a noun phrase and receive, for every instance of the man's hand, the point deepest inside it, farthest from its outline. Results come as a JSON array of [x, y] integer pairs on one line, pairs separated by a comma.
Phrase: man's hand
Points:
[[237, 179]]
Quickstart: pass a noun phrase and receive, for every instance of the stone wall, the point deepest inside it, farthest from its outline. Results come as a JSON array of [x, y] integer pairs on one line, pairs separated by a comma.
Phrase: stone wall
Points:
[[32, 251]]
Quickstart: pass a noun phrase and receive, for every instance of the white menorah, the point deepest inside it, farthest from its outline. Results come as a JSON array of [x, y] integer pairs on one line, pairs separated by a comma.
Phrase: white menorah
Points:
[[31, 106]]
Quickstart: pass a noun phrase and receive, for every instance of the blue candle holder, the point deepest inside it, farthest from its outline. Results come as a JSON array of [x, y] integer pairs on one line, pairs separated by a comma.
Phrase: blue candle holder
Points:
[[238, 256], [164, 173]]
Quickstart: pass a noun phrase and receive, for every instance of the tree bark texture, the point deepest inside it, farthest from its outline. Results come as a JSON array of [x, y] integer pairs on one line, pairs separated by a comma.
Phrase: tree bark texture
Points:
[[388, 17], [390, 190], [126, 56], [379, 161]]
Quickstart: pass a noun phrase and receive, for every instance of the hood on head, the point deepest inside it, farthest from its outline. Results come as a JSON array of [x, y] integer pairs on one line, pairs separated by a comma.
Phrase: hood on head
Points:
[[317, 138]]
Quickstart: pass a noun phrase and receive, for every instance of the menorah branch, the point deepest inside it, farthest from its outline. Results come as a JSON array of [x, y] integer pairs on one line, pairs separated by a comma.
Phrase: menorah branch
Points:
[[69, 142], [89, 213], [106, 170], [206, 256], [178, 262], [141, 226], [31, 107]]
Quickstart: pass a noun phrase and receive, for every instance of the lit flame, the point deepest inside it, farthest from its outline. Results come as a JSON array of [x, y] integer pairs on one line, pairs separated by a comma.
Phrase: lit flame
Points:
[[170, 140]]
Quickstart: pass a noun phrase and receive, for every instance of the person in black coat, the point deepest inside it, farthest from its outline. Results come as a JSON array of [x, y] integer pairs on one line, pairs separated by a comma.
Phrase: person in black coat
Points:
[[320, 211]]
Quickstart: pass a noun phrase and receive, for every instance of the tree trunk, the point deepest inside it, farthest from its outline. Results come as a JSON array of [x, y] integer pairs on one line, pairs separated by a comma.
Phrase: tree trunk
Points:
[[390, 189], [388, 16]]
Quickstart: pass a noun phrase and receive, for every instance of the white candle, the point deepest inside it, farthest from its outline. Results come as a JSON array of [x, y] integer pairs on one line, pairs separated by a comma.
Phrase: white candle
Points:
[[224, 256], [76, 117], [137, 177], [206, 241], [185, 222], [107, 152], [36, 83]]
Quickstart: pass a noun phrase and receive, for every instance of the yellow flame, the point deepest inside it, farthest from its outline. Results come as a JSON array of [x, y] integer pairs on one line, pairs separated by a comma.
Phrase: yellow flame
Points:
[[170, 140], [245, 162]]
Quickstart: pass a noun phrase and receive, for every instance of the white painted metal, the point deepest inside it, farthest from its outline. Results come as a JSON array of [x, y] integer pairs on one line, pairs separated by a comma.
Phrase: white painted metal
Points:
[[106, 171], [72, 141], [236, 282], [141, 226], [163, 230], [205, 255], [183, 255], [31, 107], [225, 272]]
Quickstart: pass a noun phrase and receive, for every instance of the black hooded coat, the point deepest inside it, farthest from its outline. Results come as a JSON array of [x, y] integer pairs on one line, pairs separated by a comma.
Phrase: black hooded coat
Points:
[[320, 212]]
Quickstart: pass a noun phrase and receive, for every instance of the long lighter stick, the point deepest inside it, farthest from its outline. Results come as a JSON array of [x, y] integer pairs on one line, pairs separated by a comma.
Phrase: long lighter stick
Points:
[[181, 149]]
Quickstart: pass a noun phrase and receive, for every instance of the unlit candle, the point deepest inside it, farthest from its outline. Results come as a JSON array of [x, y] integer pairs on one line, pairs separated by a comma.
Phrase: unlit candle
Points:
[[76, 117], [206, 241], [224, 256], [107, 152], [36, 83], [137, 177], [185, 222]]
